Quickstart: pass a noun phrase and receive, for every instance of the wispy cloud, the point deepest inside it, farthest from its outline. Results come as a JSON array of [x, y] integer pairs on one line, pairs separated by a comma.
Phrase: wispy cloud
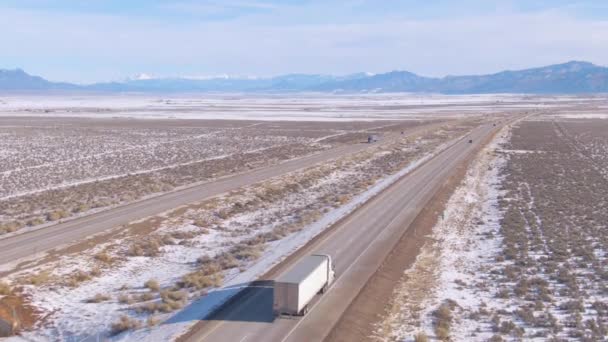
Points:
[[286, 37]]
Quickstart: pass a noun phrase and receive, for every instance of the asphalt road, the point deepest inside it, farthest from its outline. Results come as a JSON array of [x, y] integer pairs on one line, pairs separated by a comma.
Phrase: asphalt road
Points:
[[33, 242], [358, 246]]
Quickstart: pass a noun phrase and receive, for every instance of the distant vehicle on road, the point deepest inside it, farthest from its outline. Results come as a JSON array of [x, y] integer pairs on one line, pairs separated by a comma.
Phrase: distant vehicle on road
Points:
[[294, 290], [470, 141], [372, 138]]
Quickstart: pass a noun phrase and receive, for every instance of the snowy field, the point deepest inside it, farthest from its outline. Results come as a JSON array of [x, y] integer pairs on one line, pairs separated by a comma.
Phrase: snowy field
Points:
[[521, 251], [150, 280], [53, 168], [173, 267], [297, 107]]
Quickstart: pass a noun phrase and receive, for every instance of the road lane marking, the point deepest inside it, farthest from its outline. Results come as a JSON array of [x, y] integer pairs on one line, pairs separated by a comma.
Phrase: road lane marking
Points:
[[339, 278], [347, 269], [391, 189]]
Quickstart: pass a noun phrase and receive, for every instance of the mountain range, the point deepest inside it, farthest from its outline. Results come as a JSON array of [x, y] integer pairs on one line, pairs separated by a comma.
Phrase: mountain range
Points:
[[568, 78]]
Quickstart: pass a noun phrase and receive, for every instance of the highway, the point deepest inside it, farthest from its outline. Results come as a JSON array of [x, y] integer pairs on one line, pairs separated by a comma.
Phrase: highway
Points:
[[358, 246], [30, 243]]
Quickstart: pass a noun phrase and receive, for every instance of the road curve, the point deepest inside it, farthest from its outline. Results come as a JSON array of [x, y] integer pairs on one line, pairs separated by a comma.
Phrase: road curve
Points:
[[358, 246], [33, 242]]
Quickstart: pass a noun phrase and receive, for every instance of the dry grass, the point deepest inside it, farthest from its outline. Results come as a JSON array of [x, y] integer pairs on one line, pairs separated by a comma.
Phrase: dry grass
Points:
[[421, 337], [80, 198], [125, 299], [98, 298], [77, 278], [153, 285], [56, 215], [104, 257], [125, 323], [152, 321], [552, 262], [443, 320], [5, 289], [39, 278], [144, 297]]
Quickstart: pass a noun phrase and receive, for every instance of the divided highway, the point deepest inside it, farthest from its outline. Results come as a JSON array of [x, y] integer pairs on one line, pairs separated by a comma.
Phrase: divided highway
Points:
[[358, 245], [30, 243]]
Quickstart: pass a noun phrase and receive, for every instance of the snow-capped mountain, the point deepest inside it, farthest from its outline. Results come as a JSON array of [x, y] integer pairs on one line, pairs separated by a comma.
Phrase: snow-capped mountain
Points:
[[568, 78]]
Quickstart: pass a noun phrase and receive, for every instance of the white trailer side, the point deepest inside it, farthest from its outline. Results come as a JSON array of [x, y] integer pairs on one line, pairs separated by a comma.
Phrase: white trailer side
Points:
[[296, 288]]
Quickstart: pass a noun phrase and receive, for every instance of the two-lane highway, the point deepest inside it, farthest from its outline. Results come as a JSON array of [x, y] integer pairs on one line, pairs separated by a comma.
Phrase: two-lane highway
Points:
[[358, 246], [27, 244]]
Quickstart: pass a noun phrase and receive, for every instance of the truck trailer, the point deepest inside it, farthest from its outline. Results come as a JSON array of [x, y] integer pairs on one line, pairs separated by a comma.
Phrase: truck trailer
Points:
[[294, 290]]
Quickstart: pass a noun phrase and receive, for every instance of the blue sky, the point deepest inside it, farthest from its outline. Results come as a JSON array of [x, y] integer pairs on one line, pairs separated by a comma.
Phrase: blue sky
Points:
[[86, 41]]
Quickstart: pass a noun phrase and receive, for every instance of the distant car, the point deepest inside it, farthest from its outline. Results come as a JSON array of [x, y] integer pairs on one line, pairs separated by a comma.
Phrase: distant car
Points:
[[470, 141], [372, 138]]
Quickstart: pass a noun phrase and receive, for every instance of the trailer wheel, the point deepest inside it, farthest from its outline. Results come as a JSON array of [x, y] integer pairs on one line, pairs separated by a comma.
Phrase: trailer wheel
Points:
[[324, 289], [305, 310]]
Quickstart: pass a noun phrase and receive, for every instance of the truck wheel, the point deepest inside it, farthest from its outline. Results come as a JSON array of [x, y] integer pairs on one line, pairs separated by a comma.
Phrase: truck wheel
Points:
[[324, 289], [305, 310]]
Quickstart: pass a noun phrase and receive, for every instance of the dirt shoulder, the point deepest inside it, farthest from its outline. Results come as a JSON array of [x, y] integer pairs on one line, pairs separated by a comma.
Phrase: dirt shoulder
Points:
[[368, 307]]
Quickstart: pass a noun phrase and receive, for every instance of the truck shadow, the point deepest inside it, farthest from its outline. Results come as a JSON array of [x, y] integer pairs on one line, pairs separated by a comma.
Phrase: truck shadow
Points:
[[249, 302]]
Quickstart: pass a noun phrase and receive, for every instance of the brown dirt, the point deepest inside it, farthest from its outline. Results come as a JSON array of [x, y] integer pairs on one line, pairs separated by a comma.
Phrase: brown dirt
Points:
[[356, 324], [14, 311]]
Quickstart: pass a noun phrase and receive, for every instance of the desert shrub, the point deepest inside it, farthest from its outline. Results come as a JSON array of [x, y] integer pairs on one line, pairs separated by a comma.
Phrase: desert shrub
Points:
[[174, 296], [103, 257], [600, 307], [200, 280], [79, 277], [223, 214], [152, 321], [442, 333], [247, 252], [200, 223], [496, 338], [182, 235], [573, 306], [123, 324], [227, 261], [56, 215], [152, 284], [150, 307], [443, 320], [95, 272], [503, 293], [80, 208], [172, 305], [149, 248], [144, 297], [38, 278], [421, 337], [10, 227], [506, 327], [98, 298], [34, 222], [125, 299], [5, 289]]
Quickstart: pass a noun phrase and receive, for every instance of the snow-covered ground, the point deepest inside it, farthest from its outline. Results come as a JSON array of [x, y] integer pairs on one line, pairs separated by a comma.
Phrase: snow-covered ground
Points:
[[520, 253], [287, 211], [463, 241], [300, 107], [583, 115]]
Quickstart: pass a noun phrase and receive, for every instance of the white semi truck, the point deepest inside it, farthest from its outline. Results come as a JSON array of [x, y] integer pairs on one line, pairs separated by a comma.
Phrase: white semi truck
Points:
[[294, 290]]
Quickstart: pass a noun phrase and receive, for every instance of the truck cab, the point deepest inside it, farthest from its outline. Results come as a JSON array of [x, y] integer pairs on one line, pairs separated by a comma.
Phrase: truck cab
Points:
[[331, 272]]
